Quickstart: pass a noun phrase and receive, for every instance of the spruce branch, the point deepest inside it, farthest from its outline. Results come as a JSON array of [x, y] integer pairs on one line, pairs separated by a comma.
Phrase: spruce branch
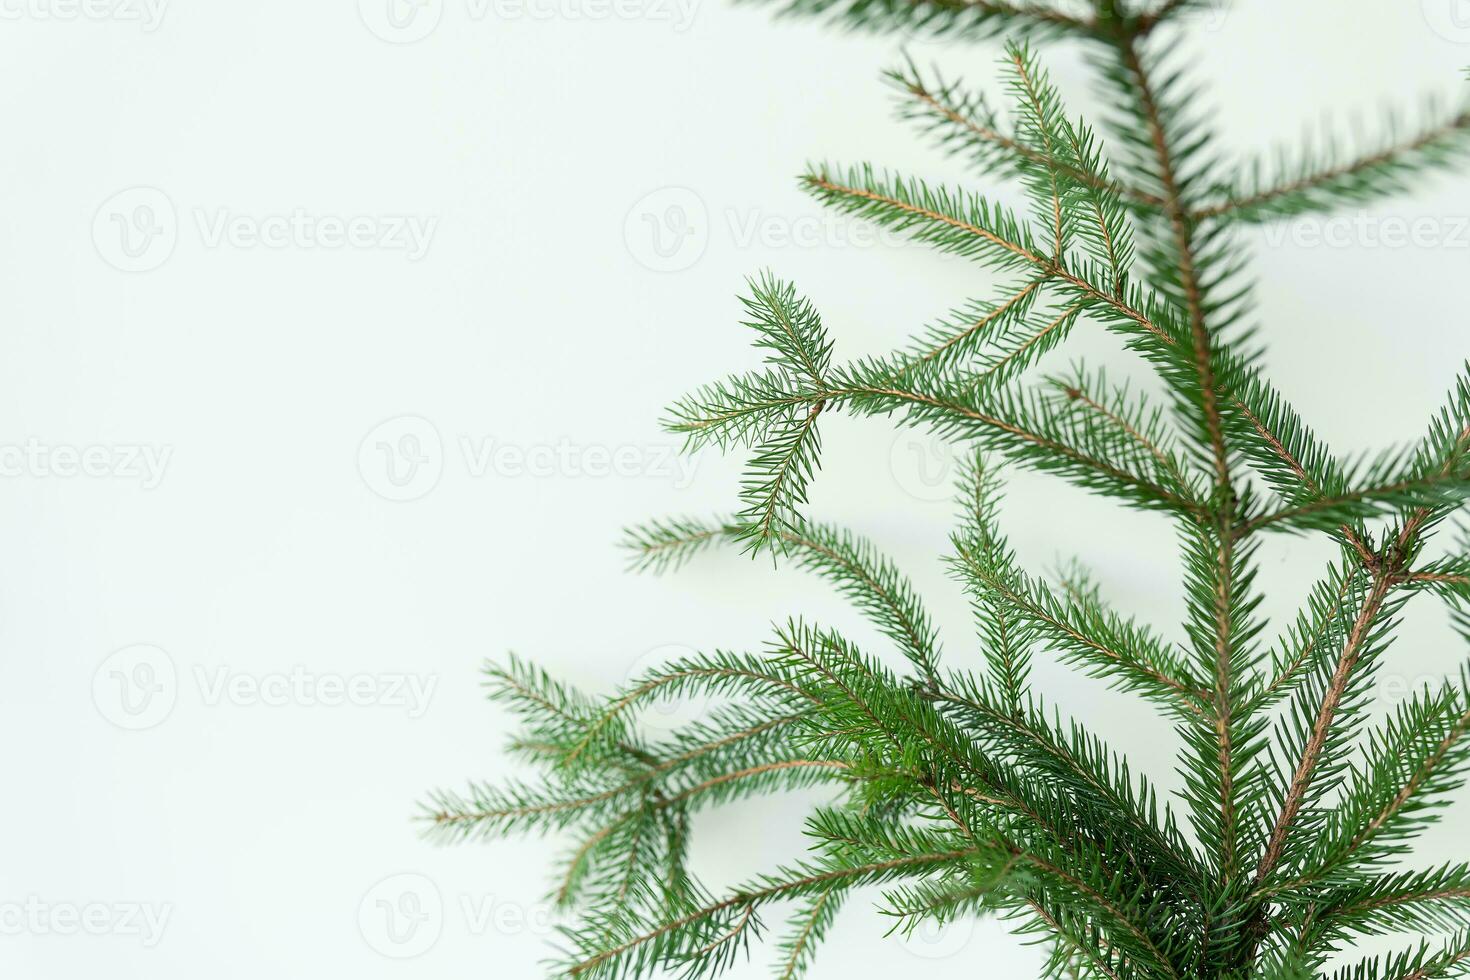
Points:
[[851, 563], [1434, 900], [1165, 11], [1218, 581], [1423, 963], [706, 933], [959, 19], [970, 330], [963, 123], [965, 794], [1338, 689], [1083, 632], [1319, 183], [1359, 503], [1029, 428]]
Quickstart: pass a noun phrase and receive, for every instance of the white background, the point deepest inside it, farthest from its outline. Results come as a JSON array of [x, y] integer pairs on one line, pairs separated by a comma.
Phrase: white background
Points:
[[537, 327]]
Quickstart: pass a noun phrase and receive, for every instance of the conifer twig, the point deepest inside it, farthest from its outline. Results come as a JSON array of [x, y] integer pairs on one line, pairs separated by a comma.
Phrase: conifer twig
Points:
[[967, 793]]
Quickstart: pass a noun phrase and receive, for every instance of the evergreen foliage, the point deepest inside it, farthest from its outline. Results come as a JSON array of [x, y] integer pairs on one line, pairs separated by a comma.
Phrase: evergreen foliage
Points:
[[959, 793]]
